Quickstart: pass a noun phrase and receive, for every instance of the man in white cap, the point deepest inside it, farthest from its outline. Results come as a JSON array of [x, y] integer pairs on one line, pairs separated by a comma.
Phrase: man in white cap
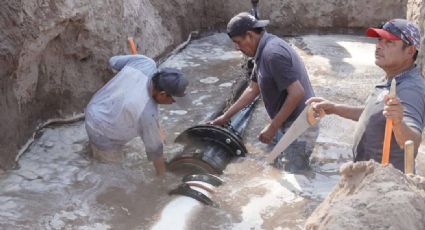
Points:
[[281, 78], [396, 52], [127, 107]]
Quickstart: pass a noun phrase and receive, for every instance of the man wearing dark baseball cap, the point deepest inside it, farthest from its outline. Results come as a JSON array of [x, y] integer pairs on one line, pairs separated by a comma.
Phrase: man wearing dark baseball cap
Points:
[[171, 82], [127, 107], [396, 51], [280, 77]]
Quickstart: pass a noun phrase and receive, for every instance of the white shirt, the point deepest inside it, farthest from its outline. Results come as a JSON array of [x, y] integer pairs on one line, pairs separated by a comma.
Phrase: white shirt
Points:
[[124, 109]]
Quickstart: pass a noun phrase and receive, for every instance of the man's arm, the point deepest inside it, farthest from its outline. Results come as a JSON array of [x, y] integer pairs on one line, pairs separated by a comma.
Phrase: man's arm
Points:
[[321, 105], [150, 132], [295, 95], [141, 62], [250, 93], [159, 165]]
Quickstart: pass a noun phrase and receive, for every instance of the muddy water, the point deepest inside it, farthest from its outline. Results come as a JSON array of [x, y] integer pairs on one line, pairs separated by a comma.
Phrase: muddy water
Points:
[[58, 187]]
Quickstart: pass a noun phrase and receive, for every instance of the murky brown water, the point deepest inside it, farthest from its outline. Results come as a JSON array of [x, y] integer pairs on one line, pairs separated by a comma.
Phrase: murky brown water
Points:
[[58, 187]]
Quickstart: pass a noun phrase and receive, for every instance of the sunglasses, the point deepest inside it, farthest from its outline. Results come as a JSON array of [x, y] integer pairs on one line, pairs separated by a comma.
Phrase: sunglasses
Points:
[[390, 27]]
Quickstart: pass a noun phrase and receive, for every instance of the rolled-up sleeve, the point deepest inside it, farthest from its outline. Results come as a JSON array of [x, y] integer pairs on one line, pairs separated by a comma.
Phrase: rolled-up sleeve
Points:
[[414, 106], [149, 131]]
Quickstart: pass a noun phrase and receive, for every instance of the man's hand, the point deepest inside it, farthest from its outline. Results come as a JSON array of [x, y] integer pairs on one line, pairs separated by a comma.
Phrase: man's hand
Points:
[[162, 134], [393, 109], [321, 105], [159, 165], [267, 134], [221, 120]]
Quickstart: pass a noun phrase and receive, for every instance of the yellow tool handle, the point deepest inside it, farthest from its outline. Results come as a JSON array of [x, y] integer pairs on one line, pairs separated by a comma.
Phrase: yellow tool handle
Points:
[[388, 130], [132, 45], [409, 159], [387, 142]]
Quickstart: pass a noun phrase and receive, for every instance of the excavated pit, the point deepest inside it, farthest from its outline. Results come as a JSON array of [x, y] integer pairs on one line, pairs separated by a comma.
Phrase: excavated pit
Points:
[[54, 57], [58, 187]]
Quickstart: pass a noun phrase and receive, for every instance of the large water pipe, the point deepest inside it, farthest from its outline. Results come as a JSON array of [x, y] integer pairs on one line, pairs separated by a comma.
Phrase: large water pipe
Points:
[[207, 150], [195, 191]]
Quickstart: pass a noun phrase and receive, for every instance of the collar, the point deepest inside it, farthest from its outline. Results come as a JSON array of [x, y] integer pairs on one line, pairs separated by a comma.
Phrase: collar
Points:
[[263, 41], [399, 77]]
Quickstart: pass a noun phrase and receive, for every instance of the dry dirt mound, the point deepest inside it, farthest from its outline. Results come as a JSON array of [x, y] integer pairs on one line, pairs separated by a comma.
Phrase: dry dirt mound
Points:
[[370, 196]]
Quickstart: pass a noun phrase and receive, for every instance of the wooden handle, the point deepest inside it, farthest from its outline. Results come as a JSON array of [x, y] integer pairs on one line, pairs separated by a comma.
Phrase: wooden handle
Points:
[[313, 117], [387, 142], [132, 45], [388, 130], [409, 160]]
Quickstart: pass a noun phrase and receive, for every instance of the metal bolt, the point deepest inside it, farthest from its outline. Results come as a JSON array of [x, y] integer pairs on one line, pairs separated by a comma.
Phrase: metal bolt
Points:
[[238, 152], [228, 141]]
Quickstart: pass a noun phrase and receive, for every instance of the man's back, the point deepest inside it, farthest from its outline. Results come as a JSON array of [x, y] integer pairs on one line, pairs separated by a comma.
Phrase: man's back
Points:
[[278, 66], [115, 110]]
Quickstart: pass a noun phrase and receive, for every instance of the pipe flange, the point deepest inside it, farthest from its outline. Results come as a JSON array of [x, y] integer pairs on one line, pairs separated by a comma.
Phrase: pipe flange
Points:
[[185, 190], [207, 178], [216, 134]]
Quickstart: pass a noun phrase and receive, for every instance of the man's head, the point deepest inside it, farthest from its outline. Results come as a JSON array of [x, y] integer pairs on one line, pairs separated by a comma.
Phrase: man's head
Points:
[[245, 31], [399, 42], [169, 86]]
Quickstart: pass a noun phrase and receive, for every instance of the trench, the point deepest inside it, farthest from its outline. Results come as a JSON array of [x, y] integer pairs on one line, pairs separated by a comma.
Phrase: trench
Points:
[[57, 186]]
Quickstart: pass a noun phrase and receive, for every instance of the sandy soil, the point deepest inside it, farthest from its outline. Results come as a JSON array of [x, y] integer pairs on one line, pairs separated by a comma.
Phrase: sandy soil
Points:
[[371, 196]]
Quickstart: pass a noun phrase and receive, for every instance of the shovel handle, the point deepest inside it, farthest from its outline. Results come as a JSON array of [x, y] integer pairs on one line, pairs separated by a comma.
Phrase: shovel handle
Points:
[[409, 159], [132, 45], [387, 142], [388, 130]]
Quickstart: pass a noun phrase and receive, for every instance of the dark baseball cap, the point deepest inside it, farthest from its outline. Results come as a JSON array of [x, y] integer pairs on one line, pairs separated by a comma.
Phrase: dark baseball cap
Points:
[[244, 22], [398, 29], [173, 82]]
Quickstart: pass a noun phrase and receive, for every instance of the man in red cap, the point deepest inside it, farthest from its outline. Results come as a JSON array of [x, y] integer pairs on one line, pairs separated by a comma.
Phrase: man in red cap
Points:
[[396, 52]]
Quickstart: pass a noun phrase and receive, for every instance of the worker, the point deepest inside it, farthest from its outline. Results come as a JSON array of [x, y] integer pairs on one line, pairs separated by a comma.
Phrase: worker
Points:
[[280, 77], [395, 53], [127, 107]]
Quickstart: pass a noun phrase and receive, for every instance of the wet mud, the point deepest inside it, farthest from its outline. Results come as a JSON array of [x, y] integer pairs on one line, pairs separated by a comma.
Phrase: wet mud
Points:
[[58, 186]]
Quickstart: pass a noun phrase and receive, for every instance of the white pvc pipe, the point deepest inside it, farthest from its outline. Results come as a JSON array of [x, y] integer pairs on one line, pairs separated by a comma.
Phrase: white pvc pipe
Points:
[[177, 213]]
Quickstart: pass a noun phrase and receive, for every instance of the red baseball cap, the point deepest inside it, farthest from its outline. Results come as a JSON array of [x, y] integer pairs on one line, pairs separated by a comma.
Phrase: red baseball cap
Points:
[[397, 29], [381, 33]]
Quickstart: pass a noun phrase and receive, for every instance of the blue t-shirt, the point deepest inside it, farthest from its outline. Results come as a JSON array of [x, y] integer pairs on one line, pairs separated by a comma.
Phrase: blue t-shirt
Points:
[[277, 66]]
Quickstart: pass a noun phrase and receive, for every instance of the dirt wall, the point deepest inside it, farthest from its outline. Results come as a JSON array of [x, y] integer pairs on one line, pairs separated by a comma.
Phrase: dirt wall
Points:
[[416, 12], [290, 17], [53, 54]]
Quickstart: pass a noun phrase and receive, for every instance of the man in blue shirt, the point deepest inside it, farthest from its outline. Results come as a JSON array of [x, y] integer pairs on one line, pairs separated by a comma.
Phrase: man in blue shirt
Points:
[[280, 77]]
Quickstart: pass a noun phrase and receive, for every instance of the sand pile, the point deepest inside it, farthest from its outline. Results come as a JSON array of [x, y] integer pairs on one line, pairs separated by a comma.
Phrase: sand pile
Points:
[[370, 196]]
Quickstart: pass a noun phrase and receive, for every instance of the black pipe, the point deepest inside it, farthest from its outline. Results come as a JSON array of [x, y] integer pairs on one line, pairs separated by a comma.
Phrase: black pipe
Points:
[[209, 148], [254, 10], [240, 120]]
